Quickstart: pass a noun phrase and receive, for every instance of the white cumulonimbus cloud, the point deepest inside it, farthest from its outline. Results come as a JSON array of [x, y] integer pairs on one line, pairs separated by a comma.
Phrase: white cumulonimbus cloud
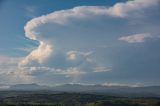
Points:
[[64, 16], [46, 28]]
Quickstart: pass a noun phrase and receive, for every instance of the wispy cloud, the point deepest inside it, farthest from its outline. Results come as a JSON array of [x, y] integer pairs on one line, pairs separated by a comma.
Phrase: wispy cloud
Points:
[[136, 38], [101, 69], [31, 11], [121, 84], [9, 61], [25, 49]]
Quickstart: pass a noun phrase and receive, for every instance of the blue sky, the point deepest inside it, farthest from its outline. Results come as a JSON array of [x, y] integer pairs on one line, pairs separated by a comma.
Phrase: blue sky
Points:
[[80, 41]]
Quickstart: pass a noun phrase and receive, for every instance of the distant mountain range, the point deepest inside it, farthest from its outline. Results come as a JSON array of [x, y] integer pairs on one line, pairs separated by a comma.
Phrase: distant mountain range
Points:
[[147, 91]]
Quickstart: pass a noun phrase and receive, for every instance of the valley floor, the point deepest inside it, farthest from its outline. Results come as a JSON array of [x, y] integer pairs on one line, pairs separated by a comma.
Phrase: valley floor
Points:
[[41, 98]]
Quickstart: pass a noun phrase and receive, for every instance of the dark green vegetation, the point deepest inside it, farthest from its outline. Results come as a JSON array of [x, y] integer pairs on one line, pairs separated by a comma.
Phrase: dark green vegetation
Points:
[[47, 98]]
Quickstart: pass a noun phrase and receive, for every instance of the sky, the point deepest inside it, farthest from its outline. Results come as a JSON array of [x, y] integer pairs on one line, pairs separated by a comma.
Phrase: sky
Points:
[[50, 42]]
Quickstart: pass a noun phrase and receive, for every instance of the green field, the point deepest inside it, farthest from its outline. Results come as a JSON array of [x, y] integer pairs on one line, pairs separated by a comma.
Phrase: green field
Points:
[[41, 98]]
